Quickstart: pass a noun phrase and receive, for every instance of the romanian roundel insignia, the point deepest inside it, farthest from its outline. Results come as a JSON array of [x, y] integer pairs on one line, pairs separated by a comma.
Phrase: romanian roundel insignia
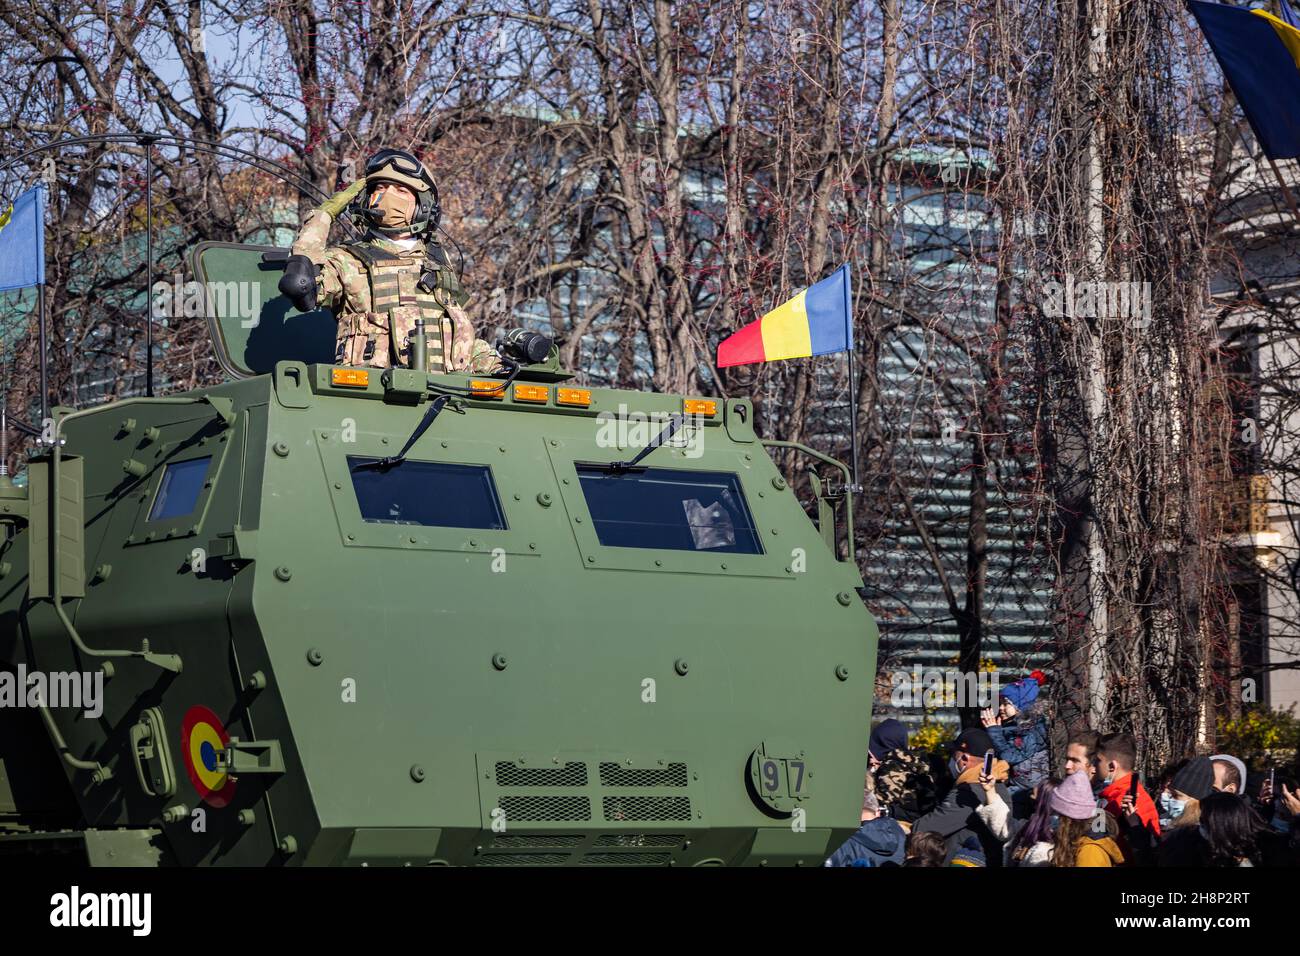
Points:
[[202, 735]]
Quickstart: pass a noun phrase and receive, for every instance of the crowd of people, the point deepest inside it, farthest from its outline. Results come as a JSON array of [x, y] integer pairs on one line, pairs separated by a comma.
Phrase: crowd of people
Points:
[[1001, 801]]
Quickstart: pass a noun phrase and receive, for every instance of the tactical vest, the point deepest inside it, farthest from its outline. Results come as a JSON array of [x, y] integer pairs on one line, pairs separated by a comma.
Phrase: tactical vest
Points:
[[402, 290]]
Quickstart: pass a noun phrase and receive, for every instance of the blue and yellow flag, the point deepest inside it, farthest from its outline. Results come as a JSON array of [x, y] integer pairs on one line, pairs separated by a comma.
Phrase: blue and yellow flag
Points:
[[1260, 57], [22, 241], [1289, 15], [817, 321]]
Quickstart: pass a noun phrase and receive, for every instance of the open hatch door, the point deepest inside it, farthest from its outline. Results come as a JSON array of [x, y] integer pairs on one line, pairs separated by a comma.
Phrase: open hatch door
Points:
[[251, 324]]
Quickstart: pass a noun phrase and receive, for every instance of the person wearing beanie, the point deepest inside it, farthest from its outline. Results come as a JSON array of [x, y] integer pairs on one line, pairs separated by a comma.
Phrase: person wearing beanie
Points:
[[1180, 802], [969, 854], [1019, 734], [1192, 784], [1229, 774], [1076, 843], [889, 735], [955, 818], [1212, 827]]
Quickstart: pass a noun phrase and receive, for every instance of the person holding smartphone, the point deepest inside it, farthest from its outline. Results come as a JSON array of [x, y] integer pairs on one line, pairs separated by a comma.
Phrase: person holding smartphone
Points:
[[956, 818], [1125, 799]]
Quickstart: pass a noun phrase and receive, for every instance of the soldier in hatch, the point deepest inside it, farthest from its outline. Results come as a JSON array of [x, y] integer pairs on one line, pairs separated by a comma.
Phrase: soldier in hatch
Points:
[[379, 286]]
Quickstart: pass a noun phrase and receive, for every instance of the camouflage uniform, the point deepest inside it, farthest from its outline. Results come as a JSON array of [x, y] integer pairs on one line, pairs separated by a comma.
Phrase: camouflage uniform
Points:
[[905, 784], [372, 288]]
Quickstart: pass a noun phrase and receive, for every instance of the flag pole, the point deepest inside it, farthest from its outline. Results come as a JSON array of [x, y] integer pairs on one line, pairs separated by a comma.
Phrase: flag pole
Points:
[[853, 381], [147, 140], [4, 420], [41, 321], [853, 419], [45, 348]]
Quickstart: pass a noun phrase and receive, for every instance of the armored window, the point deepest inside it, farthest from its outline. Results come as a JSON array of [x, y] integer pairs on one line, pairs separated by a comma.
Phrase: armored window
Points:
[[178, 493], [429, 493], [670, 509]]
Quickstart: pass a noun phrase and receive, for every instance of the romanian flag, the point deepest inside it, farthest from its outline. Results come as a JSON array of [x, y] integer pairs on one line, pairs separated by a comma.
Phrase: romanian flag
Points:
[[818, 321], [1260, 57]]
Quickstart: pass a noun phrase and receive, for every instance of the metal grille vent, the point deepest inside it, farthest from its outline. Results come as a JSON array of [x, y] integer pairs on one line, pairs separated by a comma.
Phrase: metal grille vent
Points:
[[646, 808], [641, 839], [626, 859], [523, 859], [537, 841], [572, 774], [616, 775], [521, 808]]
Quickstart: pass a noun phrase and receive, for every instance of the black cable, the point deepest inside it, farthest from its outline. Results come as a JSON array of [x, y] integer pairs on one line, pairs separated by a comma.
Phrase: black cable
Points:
[[446, 394], [514, 367], [460, 273]]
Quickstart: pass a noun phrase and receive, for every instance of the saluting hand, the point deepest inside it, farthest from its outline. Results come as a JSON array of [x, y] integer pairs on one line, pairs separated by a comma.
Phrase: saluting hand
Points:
[[339, 201]]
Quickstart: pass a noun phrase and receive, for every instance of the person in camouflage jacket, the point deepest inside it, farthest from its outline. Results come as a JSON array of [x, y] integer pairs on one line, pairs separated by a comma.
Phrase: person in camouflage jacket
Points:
[[380, 286], [905, 786]]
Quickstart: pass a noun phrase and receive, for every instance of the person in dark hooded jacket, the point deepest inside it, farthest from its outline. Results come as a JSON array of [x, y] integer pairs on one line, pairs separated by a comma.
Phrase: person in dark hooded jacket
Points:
[[904, 781], [889, 735], [878, 842]]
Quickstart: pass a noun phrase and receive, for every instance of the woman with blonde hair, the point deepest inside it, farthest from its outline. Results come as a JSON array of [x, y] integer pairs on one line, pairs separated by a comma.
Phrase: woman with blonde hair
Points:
[[1079, 841]]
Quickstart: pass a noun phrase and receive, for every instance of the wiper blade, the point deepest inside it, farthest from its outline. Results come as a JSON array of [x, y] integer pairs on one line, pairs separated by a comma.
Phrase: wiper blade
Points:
[[625, 467], [436, 405]]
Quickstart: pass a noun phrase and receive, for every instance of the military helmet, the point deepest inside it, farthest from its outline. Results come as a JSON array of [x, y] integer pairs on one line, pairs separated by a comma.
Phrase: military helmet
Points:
[[399, 166]]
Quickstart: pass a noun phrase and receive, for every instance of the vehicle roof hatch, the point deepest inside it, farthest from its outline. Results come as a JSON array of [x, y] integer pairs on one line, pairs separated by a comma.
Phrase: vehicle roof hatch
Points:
[[252, 326]]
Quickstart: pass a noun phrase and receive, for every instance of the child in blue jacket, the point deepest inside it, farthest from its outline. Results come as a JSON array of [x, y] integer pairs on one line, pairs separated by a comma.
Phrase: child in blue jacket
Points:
[[1019, 733]]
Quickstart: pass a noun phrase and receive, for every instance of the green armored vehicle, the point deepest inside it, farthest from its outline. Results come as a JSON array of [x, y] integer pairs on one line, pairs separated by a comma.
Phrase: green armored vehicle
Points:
[[324, 615]]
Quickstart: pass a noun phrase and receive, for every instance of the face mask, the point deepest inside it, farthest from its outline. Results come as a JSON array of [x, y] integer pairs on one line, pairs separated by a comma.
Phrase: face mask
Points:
[[1171, 808], [395, 208], [954, 767]]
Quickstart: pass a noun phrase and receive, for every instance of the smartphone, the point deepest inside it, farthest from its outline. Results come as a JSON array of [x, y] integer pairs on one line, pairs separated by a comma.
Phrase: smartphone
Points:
[[1133, 786], [988, 763]]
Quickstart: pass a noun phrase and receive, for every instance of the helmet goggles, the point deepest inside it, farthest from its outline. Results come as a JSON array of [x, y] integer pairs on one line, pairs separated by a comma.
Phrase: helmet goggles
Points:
[[399, 166]]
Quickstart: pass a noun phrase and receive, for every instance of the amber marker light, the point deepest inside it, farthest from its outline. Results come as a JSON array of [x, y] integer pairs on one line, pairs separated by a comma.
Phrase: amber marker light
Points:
[[580, 397], [532, 393], [350, 377]]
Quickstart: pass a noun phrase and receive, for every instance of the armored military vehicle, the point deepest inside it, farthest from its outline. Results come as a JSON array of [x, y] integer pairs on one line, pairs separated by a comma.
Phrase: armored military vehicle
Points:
[[337, 615]]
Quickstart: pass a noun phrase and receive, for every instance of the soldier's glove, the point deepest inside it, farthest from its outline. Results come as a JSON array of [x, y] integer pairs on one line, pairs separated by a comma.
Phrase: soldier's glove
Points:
[[298, 284], [339, 201]]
